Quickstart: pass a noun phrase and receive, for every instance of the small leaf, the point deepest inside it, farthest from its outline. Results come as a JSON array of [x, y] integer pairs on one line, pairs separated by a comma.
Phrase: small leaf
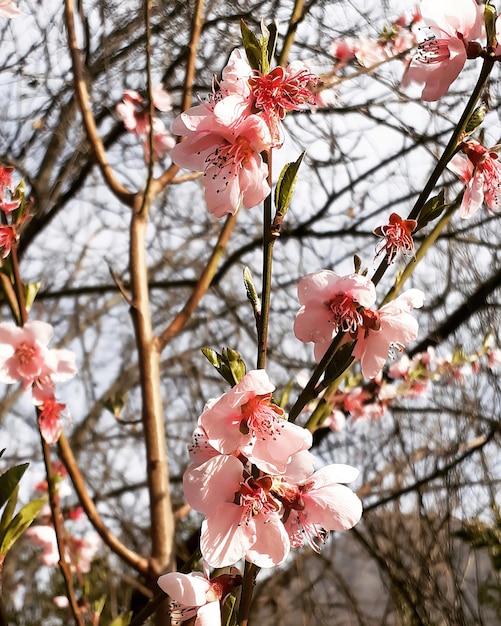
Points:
[[30, 293], [431, 210], [20, 523], [122, 620], [285, 186], [229, 364], [476, 118], [272, 42], [9, 481], [8, 512], [251, 291], [251, 45]]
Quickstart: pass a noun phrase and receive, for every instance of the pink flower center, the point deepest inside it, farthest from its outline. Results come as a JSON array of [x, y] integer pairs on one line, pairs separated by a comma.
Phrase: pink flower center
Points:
[[24, 352], [227, 159], [255, 498], [262, 418], [433, 51], [345, 314], [277, 93]]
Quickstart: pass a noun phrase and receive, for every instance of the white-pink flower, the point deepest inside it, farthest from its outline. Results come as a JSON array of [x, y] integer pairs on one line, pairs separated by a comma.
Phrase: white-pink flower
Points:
[[456, 26], [396, 327], [225, 145], [8, 8], [194, 594], [23, 351], [331, 303], [242, 517], [44, 536], [244, 420], [479, 168], [320, 504]]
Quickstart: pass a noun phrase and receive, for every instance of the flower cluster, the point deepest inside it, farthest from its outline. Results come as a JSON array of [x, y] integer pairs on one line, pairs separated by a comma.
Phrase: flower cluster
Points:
[[397, 38], [82, 544], [480, 170], [25, 357], [405, 378], [251, 475], [225, 135], [133, 111], [331, 304], [10, 201]]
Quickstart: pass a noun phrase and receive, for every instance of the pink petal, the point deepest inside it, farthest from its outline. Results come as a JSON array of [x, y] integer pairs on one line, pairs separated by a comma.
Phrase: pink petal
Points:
[[272, 544], [187, 589], [225, 539], [215, 481]]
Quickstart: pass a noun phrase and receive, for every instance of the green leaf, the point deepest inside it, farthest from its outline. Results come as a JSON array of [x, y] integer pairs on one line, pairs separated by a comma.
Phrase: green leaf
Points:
[[8, 512], [251, 45], [9, 481], [251, 290], [20, 523], [122, 620], [30, 293], [285, 186], [271, 44], [431, 210]]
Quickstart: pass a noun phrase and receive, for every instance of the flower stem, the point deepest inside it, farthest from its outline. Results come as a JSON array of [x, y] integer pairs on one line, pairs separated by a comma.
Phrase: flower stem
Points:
[[448, 153], [268, 241]]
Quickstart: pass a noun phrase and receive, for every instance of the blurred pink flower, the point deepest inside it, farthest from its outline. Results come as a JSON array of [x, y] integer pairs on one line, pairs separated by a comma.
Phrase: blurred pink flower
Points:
[[49, 419], [23, 351], [455, 24], [225, 145], [44, 536], [396, 327], [8, 8], [480, 169], [331, 303], [244, 420]]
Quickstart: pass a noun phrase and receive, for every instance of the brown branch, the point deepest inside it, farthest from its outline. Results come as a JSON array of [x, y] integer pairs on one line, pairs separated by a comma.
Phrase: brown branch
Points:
[[88, 118], [202, 285], [196, 31], [57, 520], [139, 563], [473, 304], [296, 17], [161, 514]]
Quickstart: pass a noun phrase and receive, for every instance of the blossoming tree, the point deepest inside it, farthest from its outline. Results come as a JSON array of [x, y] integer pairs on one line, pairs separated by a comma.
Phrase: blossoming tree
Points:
[[235, 273]]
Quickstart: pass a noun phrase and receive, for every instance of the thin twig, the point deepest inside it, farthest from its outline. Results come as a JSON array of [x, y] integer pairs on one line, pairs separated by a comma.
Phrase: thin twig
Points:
[[88, 118], [139, 563]]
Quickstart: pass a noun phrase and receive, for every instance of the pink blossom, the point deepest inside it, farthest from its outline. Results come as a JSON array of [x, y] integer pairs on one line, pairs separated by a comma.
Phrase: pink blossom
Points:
[[480, 170], [336, 421], [225, 145], [331, 303], [133, 111], [320, 501], [395, 327], [245, 420], [242, 518], [398, 237], [194, 594], [370, 52], [8, 237], [49, 419], [455, 24], [280, 91], [344, 49], [61, 602], [45, 538], [23, 351], [8, 8], [84, 550]]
